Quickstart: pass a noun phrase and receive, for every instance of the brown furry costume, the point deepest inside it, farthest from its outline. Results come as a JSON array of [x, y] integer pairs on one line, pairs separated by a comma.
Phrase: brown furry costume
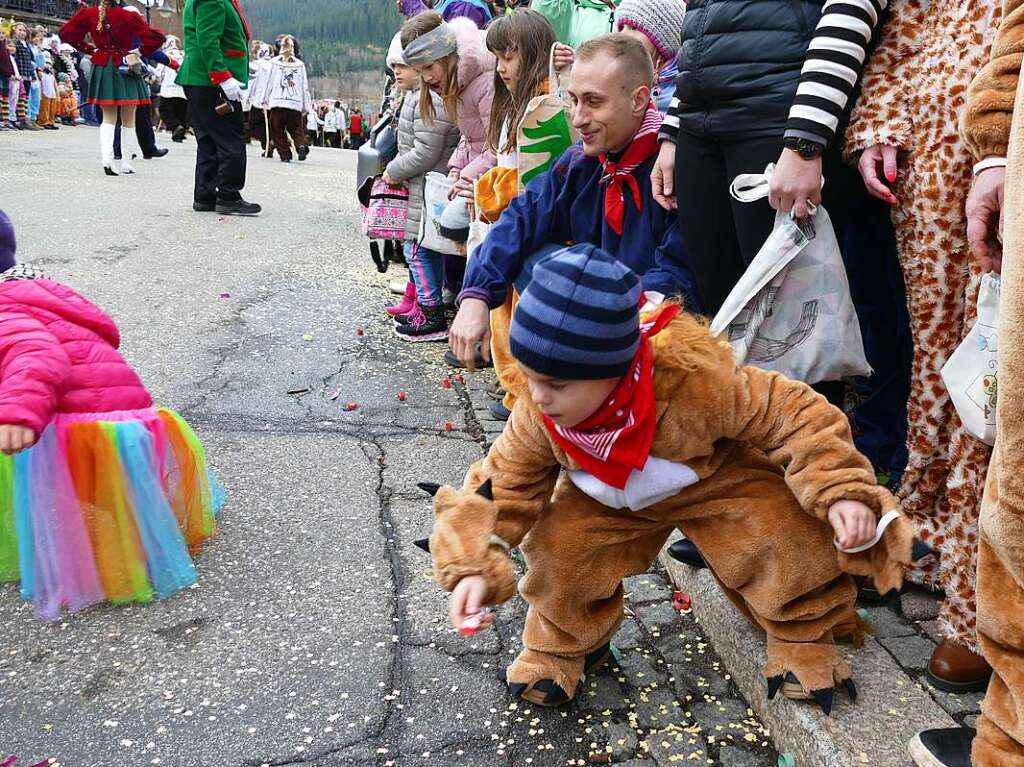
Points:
[[996, 98], [765, 449]]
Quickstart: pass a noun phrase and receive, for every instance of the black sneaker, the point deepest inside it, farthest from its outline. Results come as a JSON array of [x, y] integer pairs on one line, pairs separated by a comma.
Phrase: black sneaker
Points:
[[686, 552], [179, 134], [480, 363], [426, 325], [949, 747], [204, 207], [160, 152], [238, 207]]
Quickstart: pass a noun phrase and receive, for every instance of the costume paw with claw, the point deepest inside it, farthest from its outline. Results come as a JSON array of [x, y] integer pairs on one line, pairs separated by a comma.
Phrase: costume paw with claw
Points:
[[807, 670], [547, 679], [886, 560]]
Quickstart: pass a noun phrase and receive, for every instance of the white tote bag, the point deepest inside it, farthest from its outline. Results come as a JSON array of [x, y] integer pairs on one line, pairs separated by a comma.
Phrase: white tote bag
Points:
[[435, 200], [971, 373], [791, 310]]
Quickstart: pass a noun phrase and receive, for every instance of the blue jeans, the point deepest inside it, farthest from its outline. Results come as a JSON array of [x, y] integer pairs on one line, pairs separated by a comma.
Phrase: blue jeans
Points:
[[427, 270], [35, 98]]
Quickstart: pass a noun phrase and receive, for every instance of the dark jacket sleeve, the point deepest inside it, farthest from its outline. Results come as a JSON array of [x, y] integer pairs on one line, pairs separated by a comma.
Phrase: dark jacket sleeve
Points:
[[540, 215], [671, 275]]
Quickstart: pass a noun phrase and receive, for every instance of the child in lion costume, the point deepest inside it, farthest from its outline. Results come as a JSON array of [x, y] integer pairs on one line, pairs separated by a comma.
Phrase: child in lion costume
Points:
[[636, 426]]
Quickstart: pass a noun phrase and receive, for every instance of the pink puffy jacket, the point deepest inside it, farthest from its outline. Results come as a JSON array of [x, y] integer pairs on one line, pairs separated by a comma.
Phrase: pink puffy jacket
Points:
[[476, 92], [58, 354]]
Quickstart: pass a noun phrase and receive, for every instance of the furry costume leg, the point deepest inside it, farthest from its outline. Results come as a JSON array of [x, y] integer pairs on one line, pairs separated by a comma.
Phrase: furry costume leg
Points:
[[505, 365], [778, 565], [577, 555], [1000, 738]]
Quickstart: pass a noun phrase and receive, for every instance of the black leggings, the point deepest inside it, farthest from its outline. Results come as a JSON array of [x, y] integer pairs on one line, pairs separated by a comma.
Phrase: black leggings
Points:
[[722, 235]]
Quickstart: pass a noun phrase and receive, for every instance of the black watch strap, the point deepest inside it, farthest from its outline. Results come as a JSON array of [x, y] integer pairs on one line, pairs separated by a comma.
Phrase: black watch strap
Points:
[[807, 149]]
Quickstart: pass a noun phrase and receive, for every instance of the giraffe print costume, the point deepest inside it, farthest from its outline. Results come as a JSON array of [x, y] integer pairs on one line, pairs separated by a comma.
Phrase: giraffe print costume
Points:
[[913, 92]]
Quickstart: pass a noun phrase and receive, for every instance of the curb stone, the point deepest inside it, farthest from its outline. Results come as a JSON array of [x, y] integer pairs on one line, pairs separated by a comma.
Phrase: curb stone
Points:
[[891, 708]]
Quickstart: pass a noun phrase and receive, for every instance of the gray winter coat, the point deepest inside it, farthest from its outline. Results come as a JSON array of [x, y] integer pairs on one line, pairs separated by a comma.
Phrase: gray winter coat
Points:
[[422, 148]]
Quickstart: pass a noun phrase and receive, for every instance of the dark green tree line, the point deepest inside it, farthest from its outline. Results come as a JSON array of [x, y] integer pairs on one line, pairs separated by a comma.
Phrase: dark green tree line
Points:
[[336, 36]]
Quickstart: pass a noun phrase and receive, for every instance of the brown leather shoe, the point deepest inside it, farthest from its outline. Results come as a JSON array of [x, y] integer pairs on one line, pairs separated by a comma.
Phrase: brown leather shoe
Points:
[[954, 668]]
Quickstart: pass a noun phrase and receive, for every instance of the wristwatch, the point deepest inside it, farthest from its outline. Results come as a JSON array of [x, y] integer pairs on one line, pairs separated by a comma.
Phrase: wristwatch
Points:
[[807, 149]]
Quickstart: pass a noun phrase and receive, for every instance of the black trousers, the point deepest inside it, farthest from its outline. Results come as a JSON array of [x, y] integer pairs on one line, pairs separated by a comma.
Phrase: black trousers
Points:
[[174, 113], [722, 235], [143, 132], [220, 144]]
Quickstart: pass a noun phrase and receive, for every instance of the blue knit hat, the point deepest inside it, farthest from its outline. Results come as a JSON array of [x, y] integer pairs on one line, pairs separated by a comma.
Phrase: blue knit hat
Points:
[[8, 246], [579, 318]]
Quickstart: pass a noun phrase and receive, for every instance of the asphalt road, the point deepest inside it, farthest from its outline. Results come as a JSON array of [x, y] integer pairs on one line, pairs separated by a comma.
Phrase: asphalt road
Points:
[[315, 634]]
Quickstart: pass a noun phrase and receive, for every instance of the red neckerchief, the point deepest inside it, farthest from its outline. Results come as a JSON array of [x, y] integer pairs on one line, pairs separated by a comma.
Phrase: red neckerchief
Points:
[[619, 174], [617, 438]]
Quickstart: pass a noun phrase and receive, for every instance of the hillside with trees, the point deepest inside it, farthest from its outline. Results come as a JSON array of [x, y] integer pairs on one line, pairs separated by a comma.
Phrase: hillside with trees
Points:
[[336, 36]]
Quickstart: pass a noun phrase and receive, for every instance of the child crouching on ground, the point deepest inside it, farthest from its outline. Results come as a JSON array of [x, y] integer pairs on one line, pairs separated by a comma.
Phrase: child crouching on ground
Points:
[[656, 429], [102, 495]]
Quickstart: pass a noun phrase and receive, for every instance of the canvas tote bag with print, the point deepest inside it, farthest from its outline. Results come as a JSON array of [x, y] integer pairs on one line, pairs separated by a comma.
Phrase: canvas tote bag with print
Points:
[[791, 311], [971, 373]]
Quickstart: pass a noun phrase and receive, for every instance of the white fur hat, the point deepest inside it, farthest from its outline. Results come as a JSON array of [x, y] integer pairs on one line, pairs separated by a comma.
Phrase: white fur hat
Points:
[[395, 52]]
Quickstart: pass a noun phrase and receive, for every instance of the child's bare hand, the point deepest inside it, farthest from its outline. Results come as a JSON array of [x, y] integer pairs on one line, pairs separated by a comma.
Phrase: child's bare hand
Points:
[[854, 523], [14, 438], [467, 600], [564, 57]]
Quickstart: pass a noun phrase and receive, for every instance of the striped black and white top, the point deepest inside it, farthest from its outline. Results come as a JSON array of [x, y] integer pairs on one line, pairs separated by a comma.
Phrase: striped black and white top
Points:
[[835, 59]]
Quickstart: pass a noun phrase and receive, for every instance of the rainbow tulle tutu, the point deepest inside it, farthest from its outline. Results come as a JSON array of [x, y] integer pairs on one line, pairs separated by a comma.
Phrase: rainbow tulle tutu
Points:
[[108, 506]]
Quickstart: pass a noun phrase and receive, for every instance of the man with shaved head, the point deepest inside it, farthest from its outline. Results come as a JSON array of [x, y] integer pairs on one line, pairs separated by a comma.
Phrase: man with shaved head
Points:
[[598, 192]]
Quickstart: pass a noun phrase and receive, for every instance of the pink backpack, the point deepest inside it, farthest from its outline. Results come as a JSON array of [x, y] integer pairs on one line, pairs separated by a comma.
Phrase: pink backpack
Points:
[[385, 209]]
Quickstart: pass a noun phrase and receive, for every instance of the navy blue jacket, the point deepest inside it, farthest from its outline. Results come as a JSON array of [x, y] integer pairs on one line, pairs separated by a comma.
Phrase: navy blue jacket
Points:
[[566, 206]]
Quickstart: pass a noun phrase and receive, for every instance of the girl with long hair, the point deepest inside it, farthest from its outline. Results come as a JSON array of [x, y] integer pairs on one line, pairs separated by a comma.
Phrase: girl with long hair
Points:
[[115, 85], [453, 62], [521, 42]]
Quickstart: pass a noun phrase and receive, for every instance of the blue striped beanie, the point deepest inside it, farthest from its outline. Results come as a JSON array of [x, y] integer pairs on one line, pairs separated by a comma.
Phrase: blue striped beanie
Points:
[[579, 318]]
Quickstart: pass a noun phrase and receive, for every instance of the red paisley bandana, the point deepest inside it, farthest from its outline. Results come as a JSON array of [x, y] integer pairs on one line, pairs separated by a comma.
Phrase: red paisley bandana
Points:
[[619, 174], [617, 438]]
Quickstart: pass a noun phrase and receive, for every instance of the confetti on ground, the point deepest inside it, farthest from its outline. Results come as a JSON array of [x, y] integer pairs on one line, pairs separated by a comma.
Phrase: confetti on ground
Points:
[[448, 426], [446, 384], [787, 760], [225, 295], [334, 394], [307, 336], [459, 377], [350, 407], [360, 332], [401, 396], [681, 601]]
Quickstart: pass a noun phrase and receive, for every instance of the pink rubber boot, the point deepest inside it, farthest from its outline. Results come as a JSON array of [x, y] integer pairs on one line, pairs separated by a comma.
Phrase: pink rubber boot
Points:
[[406, 304]]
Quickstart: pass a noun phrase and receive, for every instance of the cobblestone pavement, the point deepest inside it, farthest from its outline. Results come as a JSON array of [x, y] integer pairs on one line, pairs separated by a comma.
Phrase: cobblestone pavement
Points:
[[907, 628], [315, 634]]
